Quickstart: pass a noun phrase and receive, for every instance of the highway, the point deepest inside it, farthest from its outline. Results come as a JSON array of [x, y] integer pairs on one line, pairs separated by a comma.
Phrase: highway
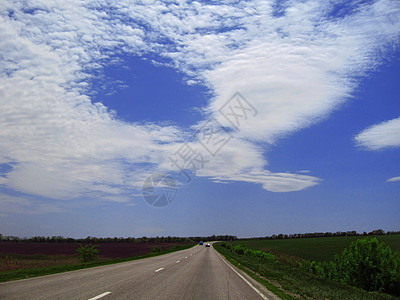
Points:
[[195, 273]]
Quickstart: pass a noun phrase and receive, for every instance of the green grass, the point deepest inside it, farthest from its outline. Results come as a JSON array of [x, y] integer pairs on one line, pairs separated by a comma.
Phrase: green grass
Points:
[[290, 283], [319, 249], [41, 271]]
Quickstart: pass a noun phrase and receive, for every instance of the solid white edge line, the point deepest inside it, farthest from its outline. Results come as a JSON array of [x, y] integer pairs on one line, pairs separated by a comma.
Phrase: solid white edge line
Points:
[[245, 280], [159, 269], [100, 296]]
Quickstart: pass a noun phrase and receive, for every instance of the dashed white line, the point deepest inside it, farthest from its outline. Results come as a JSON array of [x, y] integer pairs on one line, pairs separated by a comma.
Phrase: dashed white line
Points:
[[178, 261], [100, 296], [158, 270]]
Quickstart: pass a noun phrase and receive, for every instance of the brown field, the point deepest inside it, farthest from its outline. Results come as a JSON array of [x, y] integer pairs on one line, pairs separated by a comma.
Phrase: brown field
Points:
[[15, 256]]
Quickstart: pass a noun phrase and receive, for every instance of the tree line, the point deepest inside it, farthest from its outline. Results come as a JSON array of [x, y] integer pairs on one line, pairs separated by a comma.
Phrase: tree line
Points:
[[325, 234], [174, 239], [91, 239]]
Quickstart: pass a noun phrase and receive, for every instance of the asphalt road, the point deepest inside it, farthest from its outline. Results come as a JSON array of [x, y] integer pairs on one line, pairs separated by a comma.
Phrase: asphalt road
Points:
[[195, 273]]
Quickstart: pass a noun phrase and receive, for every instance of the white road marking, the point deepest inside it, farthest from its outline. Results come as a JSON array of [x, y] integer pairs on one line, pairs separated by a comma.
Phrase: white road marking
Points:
[[158, 270], [178, 261], [100, 296], [245, 280], [185, 256]]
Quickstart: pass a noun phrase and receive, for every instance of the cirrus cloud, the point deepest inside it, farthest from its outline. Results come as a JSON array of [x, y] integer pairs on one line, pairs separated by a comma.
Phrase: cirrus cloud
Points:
[[294, 66]]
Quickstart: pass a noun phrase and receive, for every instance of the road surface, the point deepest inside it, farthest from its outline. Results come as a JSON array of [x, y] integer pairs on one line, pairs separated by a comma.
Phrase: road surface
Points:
[[196, 273]]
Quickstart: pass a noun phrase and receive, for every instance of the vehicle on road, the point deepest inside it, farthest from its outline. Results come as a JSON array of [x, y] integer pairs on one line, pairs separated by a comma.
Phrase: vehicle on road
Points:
[[208, 245], [201, 243]]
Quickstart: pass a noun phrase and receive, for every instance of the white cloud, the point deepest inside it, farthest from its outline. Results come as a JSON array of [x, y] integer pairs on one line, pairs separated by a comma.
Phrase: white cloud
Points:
[[380, 136], [393, 179], [294, 69], [248, 165], [26, 205]]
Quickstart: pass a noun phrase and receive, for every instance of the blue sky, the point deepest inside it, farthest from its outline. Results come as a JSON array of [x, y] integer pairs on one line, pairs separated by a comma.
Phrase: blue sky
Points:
[[97, 97]]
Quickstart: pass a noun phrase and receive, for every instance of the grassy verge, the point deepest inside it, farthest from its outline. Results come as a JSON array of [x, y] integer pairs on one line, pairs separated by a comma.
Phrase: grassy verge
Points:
[[290, 283], [34, 272], [26, 261]]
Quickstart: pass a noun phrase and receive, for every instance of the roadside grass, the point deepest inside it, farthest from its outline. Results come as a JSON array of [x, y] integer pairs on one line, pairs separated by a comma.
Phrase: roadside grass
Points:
[[22, 261], [319, 249], [293, 283], [14, 267]]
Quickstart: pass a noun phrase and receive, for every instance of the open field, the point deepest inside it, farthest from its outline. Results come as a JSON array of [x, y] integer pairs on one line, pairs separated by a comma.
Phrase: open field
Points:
[[15, 256], [319, 249], [22, 260], [107, 250]]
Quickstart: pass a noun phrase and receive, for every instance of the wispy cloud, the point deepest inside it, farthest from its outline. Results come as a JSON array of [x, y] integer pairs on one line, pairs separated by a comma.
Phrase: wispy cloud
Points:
[[380, 136], [393, 179], [243, 161], [26, 205], [295, 67]]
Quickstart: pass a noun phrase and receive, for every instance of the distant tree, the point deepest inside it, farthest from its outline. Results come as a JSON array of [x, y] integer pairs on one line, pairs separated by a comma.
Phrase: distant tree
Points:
[[88, 252], [377, 232]]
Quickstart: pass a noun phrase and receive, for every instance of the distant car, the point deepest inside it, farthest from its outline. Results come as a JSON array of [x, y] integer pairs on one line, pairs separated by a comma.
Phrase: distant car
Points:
[[208, 245], [201, 243]]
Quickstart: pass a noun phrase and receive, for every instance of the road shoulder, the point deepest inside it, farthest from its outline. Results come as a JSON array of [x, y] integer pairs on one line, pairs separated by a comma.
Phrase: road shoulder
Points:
[[250, 280]]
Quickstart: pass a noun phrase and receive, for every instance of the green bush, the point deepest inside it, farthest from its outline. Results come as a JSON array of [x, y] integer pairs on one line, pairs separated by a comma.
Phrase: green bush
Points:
[[242, 250], [239, 249], [270, 256], [88, 252], [248, 252], [367, 264]]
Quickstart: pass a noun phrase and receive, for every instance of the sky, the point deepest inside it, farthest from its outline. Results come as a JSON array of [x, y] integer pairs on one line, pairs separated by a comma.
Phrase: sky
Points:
[[193, 118]]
